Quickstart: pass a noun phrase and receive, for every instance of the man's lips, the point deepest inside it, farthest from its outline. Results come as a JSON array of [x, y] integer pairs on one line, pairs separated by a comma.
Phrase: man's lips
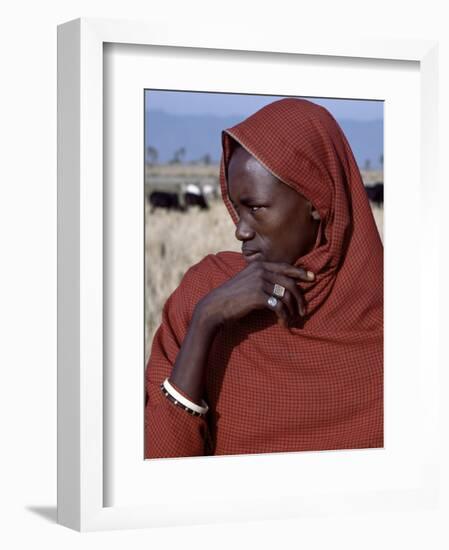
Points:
[[251, 254]]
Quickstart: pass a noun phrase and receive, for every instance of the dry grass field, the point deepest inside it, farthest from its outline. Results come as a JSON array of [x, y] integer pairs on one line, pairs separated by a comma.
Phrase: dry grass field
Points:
[[211, 170], [175, 240]]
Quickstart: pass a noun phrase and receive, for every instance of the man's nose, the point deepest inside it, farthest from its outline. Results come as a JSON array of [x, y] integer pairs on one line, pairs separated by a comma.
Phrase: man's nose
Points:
[[243, 232]]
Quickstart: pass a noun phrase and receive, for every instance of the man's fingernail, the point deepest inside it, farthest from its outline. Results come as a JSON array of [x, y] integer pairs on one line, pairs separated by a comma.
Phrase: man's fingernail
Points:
[[310, 275]]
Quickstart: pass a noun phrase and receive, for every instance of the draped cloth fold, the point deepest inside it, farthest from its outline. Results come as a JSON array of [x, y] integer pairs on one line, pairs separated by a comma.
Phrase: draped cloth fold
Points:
[[318, 386]]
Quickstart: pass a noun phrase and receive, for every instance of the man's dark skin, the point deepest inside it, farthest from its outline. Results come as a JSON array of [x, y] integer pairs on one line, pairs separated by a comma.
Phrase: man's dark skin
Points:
[[276, 226]]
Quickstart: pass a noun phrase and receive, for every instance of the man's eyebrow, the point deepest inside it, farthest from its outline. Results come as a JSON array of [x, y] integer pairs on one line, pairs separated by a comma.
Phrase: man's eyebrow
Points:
[[249, 198]]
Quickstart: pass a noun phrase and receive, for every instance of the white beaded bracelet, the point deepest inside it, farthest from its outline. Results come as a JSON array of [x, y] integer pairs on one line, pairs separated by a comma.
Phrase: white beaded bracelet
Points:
[[183, 400]]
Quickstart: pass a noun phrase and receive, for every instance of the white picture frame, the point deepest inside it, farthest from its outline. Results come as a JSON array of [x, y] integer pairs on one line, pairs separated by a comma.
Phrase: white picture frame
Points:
[[85, 498]]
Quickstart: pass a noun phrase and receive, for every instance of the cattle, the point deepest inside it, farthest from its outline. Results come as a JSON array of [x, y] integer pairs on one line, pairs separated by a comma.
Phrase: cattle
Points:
[[192, 199], [165, 199], [375, 193], [178, 195]]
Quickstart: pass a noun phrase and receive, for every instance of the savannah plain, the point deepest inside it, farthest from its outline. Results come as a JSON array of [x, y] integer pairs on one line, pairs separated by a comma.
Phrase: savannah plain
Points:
[[175, 240]]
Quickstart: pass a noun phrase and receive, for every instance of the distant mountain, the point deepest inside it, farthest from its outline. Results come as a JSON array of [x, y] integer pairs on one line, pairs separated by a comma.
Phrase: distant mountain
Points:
[[200, 135], [366, 139]]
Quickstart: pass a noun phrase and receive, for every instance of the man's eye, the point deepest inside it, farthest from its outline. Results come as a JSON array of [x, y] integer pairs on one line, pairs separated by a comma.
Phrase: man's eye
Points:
[[254, 208]]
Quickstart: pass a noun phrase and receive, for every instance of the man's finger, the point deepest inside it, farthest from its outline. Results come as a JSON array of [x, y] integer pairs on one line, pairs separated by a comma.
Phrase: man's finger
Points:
[[291, 270]]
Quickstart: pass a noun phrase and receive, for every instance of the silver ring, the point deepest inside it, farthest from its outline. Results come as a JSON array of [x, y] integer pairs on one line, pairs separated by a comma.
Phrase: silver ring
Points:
[[279, 290], [272, 301]]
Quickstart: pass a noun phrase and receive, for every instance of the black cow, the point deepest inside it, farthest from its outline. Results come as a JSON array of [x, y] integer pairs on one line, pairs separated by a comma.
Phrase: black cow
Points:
[[376, 193], [193, 199], [164, 199]]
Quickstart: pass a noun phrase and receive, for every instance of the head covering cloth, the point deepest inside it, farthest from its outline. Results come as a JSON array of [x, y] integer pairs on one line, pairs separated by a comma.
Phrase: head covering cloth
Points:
[[302, 145]]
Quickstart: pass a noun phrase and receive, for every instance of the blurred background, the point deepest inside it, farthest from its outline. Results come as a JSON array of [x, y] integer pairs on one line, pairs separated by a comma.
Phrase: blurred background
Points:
[[185, 218]]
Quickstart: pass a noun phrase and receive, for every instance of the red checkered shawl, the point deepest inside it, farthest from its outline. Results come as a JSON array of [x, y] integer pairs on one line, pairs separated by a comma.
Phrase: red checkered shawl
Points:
[[272, 389]]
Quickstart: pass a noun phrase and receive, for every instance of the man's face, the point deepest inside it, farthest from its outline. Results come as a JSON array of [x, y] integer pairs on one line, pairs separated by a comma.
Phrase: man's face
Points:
[[275, 221]]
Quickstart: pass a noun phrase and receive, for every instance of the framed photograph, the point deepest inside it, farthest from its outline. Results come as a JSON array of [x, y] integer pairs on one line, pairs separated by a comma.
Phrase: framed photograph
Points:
[[110, 172]]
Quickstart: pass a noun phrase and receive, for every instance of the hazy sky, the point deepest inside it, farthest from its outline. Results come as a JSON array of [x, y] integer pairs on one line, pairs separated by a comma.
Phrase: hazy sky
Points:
[[244, 105]]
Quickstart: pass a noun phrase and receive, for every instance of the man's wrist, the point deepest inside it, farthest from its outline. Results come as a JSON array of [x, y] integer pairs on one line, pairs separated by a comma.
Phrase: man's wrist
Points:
[[206, 318]]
